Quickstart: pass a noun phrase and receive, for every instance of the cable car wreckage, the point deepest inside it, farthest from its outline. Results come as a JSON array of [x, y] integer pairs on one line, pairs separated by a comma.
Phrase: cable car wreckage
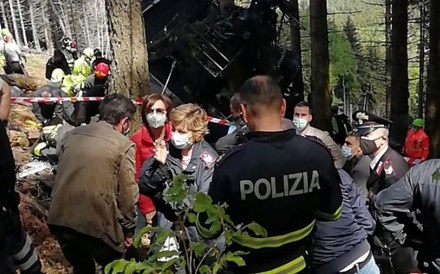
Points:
[[202, 51]]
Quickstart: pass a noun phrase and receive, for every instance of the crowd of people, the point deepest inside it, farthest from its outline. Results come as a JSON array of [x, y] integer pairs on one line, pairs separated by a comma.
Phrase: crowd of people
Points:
[[351, 205]]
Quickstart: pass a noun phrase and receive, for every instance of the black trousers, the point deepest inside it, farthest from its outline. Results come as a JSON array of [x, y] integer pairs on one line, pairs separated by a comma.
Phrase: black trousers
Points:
[[82, 251]]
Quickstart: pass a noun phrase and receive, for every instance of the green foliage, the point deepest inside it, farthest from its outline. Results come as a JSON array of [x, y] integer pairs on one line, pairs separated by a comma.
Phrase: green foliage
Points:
[[192, 254]]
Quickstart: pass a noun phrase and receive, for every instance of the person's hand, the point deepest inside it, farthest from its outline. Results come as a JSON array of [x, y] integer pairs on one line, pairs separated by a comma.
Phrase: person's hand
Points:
[[128, 242], [160, 151]]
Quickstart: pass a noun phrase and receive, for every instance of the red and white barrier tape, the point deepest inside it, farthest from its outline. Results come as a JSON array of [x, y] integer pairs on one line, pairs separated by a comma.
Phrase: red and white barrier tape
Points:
[[89, 99]]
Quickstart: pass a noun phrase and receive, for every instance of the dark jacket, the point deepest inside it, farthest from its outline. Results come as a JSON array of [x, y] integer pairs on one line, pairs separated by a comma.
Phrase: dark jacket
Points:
[[46, 111], [388, 170], [281, 181], [155, 177], [232, 139], [337, 244], [57, 61], [359, 170], [418, 189]]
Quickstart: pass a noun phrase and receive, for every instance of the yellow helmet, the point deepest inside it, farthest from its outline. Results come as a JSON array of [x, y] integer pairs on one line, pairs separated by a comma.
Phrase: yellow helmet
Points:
[[3, 32], [88, 52], [57, 75]]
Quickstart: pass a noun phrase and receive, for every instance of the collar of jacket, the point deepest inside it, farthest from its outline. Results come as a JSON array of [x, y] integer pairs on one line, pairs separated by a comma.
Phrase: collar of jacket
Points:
[[266, 136], [146, 134]]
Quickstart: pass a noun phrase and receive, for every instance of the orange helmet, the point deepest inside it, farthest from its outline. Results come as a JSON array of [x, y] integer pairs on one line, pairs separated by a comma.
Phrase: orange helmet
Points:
[[101, 70]]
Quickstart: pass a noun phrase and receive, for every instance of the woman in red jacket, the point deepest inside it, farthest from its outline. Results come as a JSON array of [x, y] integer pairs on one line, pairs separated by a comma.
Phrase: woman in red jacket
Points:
[[155, 109]]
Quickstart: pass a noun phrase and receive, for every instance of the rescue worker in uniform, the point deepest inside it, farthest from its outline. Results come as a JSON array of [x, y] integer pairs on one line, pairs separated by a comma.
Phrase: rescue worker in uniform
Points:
[[16, 247], [386, 167], [418, 189], [416, 146], [278, 179], [302, 118], [57, 61], [95, 85], [82, 65], [44, 112], [237, 130], [68, 48]]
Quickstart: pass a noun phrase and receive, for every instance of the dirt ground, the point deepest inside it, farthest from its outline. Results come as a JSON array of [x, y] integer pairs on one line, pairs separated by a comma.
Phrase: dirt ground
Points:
[[34, 195]]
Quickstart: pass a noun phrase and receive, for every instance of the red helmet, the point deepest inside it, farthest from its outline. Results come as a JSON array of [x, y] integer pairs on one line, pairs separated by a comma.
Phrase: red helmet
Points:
[[73, 44], [101, 70]]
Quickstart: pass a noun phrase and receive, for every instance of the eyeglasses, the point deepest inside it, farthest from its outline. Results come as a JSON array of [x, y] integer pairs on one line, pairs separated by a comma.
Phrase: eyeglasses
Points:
[[158, 110]]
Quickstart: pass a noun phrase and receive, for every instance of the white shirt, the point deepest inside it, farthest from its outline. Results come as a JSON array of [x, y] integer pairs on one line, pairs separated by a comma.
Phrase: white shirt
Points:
[[12, 52], [376, 159]]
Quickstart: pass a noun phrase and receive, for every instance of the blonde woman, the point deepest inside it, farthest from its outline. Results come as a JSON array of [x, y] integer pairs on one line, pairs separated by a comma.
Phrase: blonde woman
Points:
[[187, 153]]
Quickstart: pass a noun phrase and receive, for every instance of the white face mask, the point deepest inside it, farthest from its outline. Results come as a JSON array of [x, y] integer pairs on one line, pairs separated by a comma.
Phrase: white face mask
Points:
[[300, 123], [156, 120], [180, 140]]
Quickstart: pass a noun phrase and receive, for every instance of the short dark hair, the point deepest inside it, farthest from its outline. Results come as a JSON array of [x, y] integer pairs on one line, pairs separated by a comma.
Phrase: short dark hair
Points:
[[114, 107], [303, 104], [261, 90], [235, 102]]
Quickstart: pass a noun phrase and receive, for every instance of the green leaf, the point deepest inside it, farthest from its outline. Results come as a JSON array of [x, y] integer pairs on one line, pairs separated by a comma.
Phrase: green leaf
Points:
[[170, 263], [257, 229], [229, 235], [137, 241], [192, 218], [216, 268], [204, 269], [201, 202], [231, 257], [198, 248], [116, 267], [163, 234]]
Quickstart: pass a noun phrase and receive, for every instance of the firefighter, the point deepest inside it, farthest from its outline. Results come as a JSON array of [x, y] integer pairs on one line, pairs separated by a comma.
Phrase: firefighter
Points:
[[275, 169], [416, 143], [16, 247], [57, 61], [68, 48], [44, 112], [418, 189], [82, 65]]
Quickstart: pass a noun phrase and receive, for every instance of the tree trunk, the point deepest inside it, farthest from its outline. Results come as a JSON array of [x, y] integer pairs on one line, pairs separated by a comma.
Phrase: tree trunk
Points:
[[3, 11], [14, 23], [56, 17], [23, 28], [433, 95], [321, 94], [86, 23], [388, 61], [34, 28], [129, 48], [47, 30], [295, 34], [399, 72]]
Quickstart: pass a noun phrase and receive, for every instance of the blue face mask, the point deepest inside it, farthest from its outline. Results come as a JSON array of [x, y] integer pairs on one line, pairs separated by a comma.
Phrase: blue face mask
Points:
[[300, 123], [346, 152]]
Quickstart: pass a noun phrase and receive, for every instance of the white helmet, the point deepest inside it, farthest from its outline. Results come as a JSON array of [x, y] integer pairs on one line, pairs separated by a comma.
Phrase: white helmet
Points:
[[57, 75], [88, 52]]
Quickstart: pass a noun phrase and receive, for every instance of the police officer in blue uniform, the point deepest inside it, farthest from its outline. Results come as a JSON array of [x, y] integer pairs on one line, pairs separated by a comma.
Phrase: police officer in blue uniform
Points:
[[386, 168], [277, 179]]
